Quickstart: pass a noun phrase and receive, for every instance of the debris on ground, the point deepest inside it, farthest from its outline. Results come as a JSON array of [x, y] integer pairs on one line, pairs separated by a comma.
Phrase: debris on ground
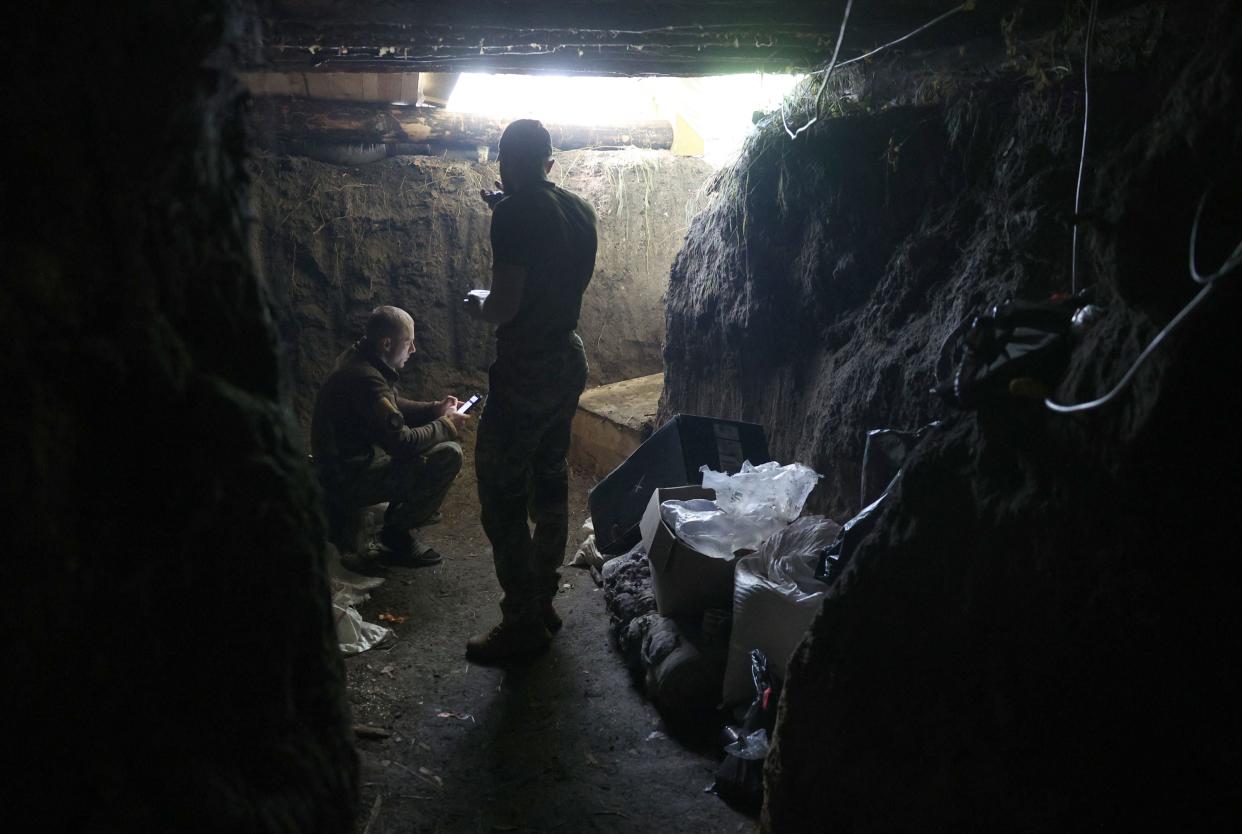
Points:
[[460, 716], [396, 619], [367, 731]]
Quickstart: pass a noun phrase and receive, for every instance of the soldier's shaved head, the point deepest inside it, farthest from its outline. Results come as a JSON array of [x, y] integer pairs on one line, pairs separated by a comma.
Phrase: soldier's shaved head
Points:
[[526, 141], [525, 154], [391, 331], [388, 321]]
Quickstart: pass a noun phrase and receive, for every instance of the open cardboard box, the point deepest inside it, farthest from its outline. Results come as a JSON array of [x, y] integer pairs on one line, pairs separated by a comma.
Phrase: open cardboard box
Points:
[[671, 457], [684, 580]]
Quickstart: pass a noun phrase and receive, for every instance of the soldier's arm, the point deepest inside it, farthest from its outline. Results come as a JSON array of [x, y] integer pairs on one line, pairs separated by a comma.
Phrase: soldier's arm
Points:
[[388, 429], [502, 304], [511, 237], [418, 413]]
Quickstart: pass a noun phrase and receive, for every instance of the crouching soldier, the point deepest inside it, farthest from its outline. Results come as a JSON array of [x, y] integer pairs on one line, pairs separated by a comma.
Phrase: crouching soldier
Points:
[[371, 445]]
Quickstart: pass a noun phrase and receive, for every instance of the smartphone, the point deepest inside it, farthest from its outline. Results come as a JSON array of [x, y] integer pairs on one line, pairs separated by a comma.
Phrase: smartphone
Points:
[[468, 404]]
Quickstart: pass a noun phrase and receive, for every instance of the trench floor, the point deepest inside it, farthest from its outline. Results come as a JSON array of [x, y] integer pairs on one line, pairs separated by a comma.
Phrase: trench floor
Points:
[[563, 742]]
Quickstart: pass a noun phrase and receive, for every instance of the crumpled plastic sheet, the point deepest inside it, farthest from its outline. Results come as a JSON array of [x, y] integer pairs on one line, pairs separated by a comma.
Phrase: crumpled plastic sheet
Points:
[[768, 490], [750, 506], [789, 558], [707, 528]]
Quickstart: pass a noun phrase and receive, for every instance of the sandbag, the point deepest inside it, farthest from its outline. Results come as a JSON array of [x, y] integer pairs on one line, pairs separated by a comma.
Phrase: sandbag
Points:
[[775, 597], [683, 663]]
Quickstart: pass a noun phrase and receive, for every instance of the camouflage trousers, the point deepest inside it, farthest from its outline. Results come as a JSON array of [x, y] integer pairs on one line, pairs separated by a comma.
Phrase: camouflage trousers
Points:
[[414, 488], [520, 462]]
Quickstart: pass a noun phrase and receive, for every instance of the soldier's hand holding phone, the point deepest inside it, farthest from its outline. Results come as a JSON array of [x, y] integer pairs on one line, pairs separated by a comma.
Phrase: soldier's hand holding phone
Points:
[[493, 197]]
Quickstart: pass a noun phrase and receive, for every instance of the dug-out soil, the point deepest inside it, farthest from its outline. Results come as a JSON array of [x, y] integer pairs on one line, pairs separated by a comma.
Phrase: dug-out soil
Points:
[[334, 242]]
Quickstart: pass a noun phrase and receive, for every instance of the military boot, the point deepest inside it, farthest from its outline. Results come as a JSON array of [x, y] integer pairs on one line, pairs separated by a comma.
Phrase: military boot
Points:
[[509, 639], [551, 620]]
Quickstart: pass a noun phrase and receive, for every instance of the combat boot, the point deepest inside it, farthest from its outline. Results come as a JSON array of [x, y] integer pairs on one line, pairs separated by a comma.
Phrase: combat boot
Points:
[[551, 620], [508, 640]]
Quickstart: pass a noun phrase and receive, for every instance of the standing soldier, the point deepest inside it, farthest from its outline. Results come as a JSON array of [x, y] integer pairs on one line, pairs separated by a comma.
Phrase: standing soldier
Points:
[[543, 254]]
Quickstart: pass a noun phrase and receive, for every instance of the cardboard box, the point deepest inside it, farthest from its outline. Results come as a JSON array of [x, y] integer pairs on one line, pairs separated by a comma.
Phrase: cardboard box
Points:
[[685, 581], [669, 458]]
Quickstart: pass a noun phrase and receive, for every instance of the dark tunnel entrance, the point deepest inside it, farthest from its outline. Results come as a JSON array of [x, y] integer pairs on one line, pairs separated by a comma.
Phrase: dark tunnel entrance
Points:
[[347, 221]]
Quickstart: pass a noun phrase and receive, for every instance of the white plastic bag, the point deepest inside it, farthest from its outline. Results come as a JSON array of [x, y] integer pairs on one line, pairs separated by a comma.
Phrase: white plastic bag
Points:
[[349, 589], [587, 555], [353, 633], [775, 598]]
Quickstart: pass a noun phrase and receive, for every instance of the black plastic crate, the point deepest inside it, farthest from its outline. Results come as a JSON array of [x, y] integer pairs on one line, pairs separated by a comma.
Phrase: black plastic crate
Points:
[[670, 457]]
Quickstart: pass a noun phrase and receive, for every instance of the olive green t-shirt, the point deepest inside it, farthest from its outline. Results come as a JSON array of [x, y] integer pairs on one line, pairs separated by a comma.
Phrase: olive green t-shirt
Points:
[[551, 233]]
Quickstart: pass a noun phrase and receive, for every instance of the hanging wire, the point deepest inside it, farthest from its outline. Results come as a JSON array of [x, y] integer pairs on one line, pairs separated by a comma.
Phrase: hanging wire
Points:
[[1082, 157], [1209, 283], [967, 6], [1231, 263], [1129, 375], [836, 50]]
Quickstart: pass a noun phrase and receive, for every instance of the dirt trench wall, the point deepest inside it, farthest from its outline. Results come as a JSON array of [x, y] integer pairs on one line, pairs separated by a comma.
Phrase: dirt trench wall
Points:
[[171, 660], [336, 241], [1034, 636]]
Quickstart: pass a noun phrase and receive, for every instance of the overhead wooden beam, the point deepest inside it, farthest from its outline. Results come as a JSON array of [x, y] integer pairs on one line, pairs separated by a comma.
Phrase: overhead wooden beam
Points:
[[289, 120], [621, 16], [636, 37], [348, 47], [385, 87]]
